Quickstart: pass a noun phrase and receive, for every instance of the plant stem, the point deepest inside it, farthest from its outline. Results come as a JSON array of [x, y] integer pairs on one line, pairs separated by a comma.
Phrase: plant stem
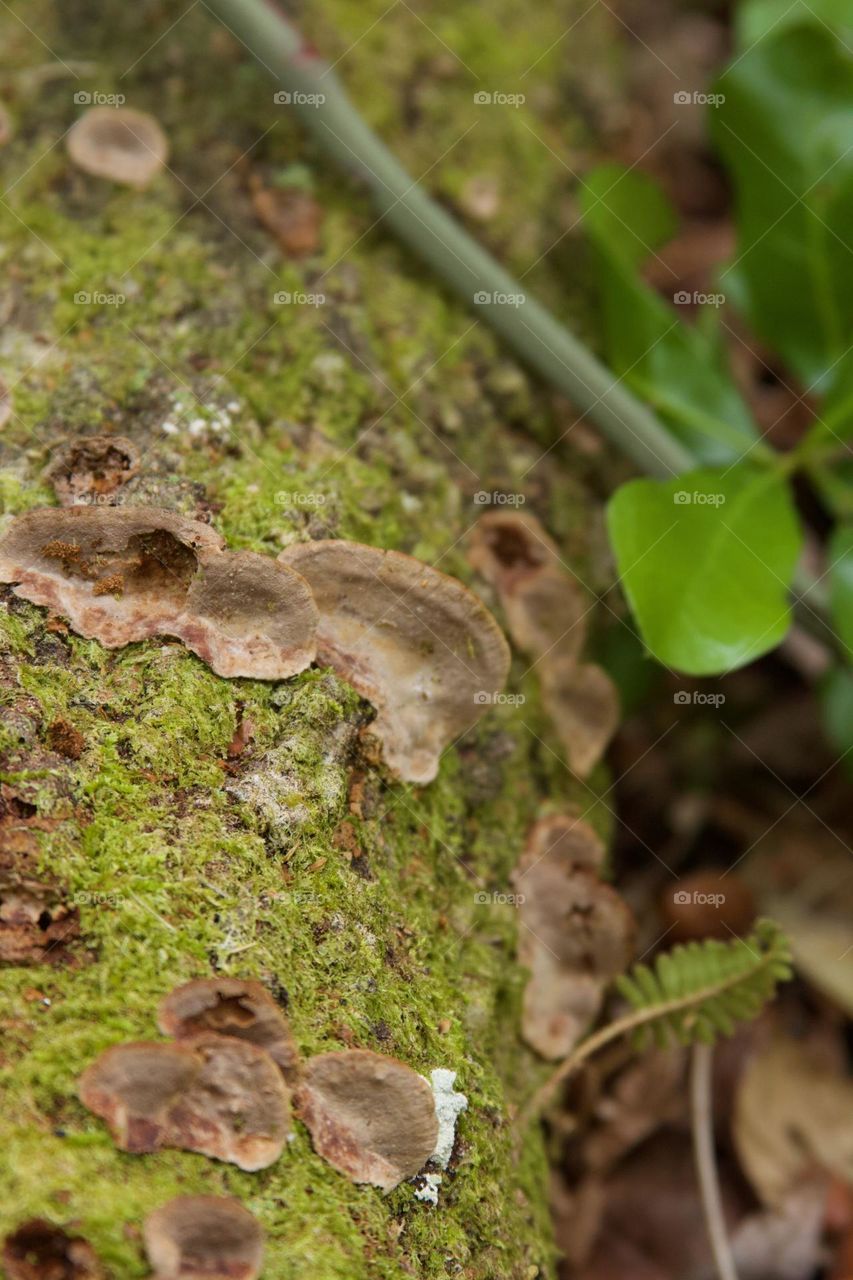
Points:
[[706, 1165], [448, 249]]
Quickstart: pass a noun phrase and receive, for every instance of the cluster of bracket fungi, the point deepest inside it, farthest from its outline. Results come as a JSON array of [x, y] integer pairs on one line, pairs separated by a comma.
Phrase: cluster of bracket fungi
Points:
[[546, 613], [416, 643], [429, 656], [225, 1086]]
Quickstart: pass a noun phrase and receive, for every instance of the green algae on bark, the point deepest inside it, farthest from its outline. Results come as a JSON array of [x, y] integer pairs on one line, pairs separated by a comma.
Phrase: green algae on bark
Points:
[[376, 416]]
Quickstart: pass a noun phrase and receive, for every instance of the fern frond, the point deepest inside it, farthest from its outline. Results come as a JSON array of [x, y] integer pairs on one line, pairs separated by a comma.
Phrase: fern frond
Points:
[[700, 990], [695, 992]]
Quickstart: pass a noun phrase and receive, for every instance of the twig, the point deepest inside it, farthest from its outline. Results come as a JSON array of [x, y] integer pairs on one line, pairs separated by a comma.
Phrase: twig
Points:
[[456, 257], [706, 1165]]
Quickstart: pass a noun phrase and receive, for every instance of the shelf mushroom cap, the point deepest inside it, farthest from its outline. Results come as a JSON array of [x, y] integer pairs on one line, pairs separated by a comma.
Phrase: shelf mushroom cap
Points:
[[420, 646], [219, 1096], [238, 1007], [118, 143], [121, 574], [371, 1116], [204, 1238]]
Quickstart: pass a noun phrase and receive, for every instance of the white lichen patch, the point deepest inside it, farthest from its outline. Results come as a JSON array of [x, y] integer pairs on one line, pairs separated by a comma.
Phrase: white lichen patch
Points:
[[429, 1191], [448, 1105]]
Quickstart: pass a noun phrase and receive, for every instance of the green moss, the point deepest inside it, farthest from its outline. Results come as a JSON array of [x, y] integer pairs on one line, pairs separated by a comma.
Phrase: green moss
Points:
[[375, 416]]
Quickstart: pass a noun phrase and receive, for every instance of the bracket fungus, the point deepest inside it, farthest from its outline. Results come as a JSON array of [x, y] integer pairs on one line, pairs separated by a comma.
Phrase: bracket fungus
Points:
[[39, 1250], [91, 468], [222, 1097], [372, 1117], [121, 574], [118, 143], [576, 935], [545, 607], [583, 703], [420, 646], [238, 1007], [546, 613], [204, 1238]]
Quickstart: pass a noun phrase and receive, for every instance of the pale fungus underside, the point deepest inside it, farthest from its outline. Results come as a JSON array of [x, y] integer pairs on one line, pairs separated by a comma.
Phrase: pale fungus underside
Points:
[[576, 933], [118, 143], [416, 643], [121, 574], [547, 611]]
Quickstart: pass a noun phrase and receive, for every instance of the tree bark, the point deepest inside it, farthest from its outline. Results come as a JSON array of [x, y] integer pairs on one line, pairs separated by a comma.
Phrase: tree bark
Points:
[[187, 825]]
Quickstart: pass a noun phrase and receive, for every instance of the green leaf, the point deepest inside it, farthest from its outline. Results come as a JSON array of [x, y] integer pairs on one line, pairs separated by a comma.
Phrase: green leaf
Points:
[[836, 704], [760, 18], [706, 561], [840, 555], [676, 367], [784, 130]]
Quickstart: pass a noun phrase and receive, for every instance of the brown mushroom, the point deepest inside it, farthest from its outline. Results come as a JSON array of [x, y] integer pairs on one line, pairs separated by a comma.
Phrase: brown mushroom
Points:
[[118, 143], [564, 839], [583, 703], [413, 641], [238, 1007], [121, 574], [544, 605], [293, 216], [264, 622], [372, 1117], [39, 1250], [91, 468], [204, 1238], [575, 935], [222, 1097]]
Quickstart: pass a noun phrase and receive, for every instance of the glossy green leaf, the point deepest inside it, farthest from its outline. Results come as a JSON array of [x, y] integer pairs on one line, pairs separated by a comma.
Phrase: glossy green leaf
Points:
[[760, 18], [836, 703], [840, 557], [706, 561], [785, 130], [675, 366]]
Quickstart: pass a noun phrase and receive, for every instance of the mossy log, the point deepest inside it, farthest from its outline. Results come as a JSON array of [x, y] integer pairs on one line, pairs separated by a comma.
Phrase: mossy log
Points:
[[191, 825]]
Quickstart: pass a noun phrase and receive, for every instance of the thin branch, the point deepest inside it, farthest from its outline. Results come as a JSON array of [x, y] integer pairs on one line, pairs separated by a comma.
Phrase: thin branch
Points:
[[439, 240], [701, 1112]]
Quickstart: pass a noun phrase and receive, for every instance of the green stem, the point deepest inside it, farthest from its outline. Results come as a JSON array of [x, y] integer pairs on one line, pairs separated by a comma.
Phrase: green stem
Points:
[[448, 249]]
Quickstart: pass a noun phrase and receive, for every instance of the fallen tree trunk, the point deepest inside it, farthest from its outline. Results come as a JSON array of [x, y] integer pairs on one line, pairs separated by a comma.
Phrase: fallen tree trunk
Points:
[[179, 825]]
